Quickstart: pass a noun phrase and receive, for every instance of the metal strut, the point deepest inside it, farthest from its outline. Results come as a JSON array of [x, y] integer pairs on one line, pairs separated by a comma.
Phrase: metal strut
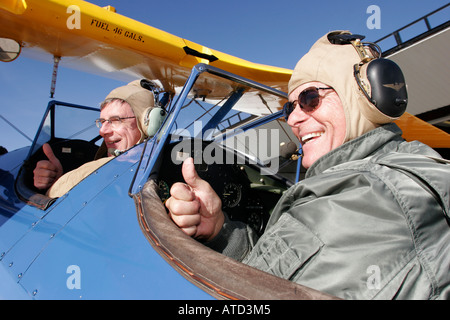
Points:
[[56, 61]]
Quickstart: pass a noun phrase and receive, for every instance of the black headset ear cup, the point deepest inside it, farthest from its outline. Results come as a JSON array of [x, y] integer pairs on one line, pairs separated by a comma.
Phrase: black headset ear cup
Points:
[[387, 83], [388, 87]]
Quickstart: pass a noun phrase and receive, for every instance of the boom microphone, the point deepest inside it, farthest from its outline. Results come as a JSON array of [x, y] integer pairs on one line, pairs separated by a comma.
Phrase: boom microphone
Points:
[[289, 150], [115, 152]]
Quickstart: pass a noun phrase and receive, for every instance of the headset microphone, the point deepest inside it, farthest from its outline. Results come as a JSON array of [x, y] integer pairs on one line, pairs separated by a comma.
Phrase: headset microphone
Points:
[[289, 150], [115, 152]]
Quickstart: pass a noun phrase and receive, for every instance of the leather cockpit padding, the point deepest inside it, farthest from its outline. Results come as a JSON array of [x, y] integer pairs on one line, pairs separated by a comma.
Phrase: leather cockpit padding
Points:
[[218, 275]]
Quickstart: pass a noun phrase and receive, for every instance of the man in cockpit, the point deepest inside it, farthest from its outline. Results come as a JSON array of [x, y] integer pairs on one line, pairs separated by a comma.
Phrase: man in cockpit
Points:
[[122, 124], [371, 219]]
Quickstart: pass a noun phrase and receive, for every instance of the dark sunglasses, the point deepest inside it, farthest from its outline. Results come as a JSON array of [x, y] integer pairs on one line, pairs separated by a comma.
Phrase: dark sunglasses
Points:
[[308, 100]]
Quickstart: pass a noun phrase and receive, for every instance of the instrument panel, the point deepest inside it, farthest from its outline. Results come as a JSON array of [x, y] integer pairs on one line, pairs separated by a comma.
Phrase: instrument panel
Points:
[[240, 200]]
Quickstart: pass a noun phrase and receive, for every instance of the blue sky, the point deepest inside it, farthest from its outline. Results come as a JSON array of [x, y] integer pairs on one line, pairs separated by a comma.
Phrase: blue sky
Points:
[[269, 32]]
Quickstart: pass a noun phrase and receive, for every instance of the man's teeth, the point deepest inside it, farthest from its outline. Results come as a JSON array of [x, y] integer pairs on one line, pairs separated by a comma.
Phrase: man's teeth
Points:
[[308, 137]]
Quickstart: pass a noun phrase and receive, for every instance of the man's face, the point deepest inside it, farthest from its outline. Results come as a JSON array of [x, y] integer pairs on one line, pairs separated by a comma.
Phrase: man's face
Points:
[[120, 135], [321, 130]]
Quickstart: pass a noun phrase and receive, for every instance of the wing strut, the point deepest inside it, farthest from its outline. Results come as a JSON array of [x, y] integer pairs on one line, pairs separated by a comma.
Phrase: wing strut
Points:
[[56, 61]]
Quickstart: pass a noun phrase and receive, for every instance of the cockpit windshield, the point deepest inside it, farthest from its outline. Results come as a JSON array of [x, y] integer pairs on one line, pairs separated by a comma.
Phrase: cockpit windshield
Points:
[[216, 104], [64, 121], [232, 112]]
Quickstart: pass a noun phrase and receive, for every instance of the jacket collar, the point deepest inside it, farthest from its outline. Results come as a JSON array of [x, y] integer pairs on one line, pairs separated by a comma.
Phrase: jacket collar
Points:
[[366, 145]]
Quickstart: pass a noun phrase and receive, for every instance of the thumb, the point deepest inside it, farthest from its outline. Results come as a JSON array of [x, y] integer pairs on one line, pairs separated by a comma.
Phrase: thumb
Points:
[[191, 176], [52, 158]]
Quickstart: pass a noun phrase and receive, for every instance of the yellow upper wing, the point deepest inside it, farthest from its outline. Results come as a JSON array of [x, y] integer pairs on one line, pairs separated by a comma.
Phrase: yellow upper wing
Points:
[[94, 38]]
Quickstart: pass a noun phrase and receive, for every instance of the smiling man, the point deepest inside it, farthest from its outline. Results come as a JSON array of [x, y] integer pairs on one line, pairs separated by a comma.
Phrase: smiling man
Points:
[[319, 130], [118, 126], [122, 124], [370, 220]]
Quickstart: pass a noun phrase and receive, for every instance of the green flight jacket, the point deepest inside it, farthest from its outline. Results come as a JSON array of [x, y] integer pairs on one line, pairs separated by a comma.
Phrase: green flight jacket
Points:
[[369, 221]]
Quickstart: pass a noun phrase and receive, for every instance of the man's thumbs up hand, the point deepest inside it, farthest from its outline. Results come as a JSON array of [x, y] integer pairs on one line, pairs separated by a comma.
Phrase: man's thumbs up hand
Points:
[[47, 171], [194, 206]]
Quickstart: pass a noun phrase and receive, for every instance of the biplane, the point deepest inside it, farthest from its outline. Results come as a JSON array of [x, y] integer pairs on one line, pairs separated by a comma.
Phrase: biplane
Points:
[[109, 237]]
